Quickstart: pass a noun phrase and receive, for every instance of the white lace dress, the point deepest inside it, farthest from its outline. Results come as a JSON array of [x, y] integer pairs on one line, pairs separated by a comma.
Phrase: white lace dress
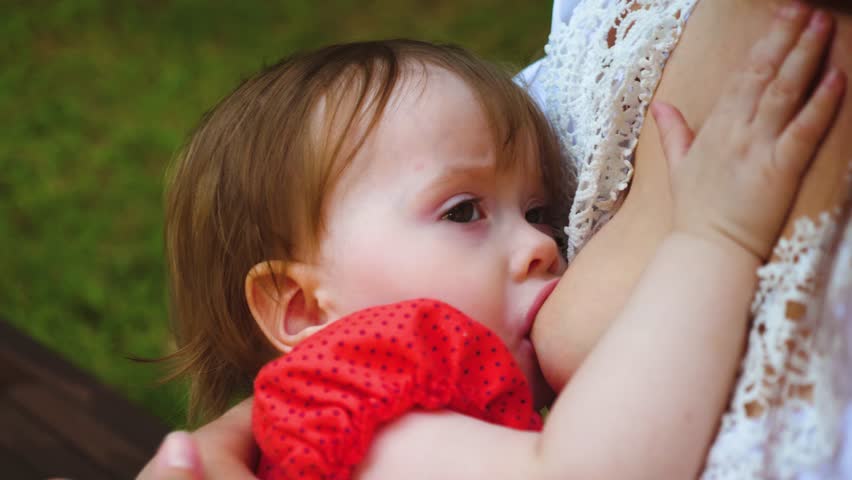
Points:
[[603, 62]]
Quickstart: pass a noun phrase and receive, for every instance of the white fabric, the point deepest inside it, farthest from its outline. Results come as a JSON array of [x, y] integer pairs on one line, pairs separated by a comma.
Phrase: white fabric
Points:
[[598, 115], [833, 333], [784, 418]]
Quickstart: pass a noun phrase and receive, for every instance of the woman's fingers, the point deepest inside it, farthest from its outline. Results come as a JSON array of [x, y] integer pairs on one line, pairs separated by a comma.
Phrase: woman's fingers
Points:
[[766, 57], [177, 459], [226, 445], [799, 141], [783, 97], [224, 449], [231, 435]]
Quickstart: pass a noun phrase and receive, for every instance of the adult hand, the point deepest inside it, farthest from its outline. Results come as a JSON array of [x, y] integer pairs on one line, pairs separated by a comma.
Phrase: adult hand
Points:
[[222, 449]]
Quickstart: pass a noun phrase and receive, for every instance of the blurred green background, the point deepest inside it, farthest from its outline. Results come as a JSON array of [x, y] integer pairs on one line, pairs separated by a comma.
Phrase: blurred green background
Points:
[[96, 96]]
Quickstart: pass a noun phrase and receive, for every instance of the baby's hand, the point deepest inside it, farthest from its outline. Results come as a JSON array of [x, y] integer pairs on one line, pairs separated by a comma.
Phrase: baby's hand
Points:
[[737, 179]]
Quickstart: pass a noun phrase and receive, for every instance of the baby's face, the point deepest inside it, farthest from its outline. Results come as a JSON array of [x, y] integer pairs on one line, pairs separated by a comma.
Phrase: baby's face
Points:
[[423, 212]]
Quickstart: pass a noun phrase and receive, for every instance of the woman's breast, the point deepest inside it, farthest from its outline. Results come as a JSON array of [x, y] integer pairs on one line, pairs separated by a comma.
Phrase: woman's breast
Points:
[[715, 42]]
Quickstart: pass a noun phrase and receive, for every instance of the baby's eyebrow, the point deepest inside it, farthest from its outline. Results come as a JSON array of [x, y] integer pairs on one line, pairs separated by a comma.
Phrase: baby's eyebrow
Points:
[[455, 173], [450, 178]]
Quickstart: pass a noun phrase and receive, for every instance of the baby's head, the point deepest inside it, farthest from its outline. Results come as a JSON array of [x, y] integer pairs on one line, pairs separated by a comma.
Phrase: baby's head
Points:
[[353, 176]]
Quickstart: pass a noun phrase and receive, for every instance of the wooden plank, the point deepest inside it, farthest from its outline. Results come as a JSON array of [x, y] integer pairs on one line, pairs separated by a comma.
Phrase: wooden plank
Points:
[[89, 428], [33, 447], [80, 428], [13, 467], [36, 360]]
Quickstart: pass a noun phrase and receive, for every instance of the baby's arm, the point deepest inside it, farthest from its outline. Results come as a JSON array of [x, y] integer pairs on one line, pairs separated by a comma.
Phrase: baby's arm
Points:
[[645, 403]]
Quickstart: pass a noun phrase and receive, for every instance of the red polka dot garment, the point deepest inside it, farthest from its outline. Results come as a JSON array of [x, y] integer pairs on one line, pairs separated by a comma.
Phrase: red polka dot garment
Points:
[[317, 408]]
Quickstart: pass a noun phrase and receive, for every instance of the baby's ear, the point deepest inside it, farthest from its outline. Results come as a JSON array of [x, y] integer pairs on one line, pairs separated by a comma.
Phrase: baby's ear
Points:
[[281, 298]]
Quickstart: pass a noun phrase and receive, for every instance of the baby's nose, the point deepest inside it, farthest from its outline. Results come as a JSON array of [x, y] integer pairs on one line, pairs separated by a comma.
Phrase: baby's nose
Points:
[[537, 255]]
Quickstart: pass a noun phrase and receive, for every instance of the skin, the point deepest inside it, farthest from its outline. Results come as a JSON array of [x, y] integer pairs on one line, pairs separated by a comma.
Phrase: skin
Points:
[[605, 272], [233, 461], [423, 211]]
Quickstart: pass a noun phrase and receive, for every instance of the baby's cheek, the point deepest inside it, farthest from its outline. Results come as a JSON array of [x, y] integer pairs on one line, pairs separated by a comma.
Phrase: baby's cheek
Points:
[[362, 279]]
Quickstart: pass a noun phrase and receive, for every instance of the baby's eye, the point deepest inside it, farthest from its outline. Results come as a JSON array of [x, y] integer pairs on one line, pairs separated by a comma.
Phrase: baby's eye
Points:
[[464, 212], [537, 215]]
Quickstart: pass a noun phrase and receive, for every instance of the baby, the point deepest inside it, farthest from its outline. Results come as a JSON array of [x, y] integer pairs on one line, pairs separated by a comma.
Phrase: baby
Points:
[[397, 199]]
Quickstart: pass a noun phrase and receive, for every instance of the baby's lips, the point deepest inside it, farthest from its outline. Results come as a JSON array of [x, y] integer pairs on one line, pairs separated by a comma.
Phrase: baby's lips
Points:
[[538, 301]]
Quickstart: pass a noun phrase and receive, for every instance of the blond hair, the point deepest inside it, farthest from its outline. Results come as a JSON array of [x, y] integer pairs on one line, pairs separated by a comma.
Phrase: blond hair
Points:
[[250, 185]]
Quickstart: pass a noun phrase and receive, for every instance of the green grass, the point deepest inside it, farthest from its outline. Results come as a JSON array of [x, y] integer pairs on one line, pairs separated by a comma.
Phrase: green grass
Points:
[[95, 98]]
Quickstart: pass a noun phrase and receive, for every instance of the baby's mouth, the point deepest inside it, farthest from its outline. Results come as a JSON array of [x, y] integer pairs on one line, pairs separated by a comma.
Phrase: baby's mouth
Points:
[[538, 301]]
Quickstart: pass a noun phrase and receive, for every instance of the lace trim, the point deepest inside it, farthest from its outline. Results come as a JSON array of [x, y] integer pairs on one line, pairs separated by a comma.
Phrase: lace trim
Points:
[[838, 314], [597, 80], [836, 338], [784, 413]]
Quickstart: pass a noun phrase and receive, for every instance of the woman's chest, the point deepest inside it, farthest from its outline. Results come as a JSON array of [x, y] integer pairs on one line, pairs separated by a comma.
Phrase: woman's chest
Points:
[[716, 41]]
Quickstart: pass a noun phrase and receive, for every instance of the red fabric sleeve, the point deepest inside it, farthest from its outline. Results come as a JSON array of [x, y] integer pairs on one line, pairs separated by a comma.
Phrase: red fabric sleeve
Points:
[[317, 408]]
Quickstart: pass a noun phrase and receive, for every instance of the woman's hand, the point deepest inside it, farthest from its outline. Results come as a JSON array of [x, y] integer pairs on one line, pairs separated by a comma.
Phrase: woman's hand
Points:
[[224, 449], [737, 180], [176, 459]]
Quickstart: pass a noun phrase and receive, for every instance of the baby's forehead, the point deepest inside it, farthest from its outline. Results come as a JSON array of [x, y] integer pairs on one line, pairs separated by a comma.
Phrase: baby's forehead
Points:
[[422, 88], [433, 114], [357, 108], [435, 119]]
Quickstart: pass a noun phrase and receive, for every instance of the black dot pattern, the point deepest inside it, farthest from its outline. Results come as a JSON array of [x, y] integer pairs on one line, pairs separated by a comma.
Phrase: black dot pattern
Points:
[[317, 408]]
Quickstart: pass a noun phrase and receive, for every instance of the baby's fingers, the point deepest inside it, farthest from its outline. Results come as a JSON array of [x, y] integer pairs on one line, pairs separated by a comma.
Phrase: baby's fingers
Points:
[[800, 139], [784, 95], [675, 134], [746, 88]]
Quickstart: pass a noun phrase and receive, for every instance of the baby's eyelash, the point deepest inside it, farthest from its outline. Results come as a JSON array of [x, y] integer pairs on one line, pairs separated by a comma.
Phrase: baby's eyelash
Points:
[[538, 215], [465, 211]]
